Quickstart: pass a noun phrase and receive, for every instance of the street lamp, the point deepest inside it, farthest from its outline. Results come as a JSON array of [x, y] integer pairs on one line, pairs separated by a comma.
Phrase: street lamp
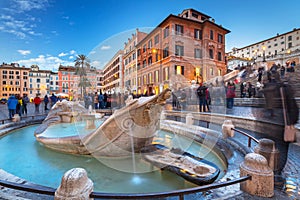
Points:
[[264, 53]]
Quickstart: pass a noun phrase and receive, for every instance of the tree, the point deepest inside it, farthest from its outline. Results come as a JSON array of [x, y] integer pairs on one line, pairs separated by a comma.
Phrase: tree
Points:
[[81, 64]]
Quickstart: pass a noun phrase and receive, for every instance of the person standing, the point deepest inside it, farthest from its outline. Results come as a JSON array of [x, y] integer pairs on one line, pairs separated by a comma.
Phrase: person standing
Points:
[[37, 101], [201, 92], [230, 94], [53, 99], [46, 101], [243, 89], [19, 105], [282, 71], [25, 101], [101, 100], [104, 100], [12, 105], [96, 101]]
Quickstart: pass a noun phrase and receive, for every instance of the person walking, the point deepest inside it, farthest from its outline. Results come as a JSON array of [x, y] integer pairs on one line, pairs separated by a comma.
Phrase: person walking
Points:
[[12, 105], [25, 101], [46, 101], [37, 101]]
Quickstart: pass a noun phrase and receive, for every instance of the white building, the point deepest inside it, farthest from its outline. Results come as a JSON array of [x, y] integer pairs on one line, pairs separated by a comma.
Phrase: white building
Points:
[[39, 82], [280, 44]]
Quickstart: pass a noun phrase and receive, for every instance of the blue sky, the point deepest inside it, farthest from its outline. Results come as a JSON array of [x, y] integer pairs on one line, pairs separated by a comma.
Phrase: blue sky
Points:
[[53, 32]]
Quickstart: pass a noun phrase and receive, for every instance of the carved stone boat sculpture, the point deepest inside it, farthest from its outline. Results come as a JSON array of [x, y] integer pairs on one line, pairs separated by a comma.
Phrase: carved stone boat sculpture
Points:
[[184, 164], [127, 129]]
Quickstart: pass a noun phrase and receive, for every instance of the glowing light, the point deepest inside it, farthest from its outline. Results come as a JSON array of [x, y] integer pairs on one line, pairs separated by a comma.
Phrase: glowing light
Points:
[[136, 179]]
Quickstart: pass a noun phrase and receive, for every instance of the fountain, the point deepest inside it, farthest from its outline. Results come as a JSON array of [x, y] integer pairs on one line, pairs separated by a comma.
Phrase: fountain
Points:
[[129, 130]]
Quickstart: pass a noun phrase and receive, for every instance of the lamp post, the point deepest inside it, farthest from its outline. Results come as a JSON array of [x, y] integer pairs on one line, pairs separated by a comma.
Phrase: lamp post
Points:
[[264, 53]]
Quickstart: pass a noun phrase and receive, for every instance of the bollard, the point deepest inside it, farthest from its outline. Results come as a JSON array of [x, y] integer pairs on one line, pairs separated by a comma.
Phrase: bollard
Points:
[[227, 127], [262, 176], [189, 120], [74, 185], [266, 148]]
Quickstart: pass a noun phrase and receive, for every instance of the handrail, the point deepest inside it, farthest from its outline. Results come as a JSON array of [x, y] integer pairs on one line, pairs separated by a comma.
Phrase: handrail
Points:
[[51, 191], [250, 137]]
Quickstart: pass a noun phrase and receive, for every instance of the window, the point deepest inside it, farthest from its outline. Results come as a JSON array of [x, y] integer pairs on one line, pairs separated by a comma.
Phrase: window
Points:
[[219, 56], [150, 60], [144, 63], [197, 53], [290, 38], [219, 72], [150, 78], [133, 56], [179, 69], [145, 79], [166, 31], [198, 34], [166, 52], [179, 50], [220, 38], [156, 39], [38, 80], [144, 48], [211, 53], [166, 73], [178, 29], [290, 45], [156, 76], [150, 44], [211, 34], [195, 15], [138, 52], [211, 71]]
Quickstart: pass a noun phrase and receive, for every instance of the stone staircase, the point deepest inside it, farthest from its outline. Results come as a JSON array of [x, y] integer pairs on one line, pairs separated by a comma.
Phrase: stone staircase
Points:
[[294, 80]]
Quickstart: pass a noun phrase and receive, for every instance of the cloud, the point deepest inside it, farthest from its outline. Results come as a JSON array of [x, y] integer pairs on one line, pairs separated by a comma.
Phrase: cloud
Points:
[[24, 52], [105, 47], [62, 54], [20, 28], [72, 52], [27, 5], [47, 62], [71, 57], [96, 63], [21, 25]]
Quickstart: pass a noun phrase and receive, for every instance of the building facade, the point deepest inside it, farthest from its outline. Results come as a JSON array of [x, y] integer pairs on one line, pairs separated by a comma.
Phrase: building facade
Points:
[[130, 61], [39, 82], [279, 46], [113, 74], [190, 46], [14, 80]]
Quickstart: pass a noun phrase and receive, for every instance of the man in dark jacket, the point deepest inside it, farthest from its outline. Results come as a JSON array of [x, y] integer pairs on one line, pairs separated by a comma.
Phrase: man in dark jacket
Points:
[[201, 93]]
